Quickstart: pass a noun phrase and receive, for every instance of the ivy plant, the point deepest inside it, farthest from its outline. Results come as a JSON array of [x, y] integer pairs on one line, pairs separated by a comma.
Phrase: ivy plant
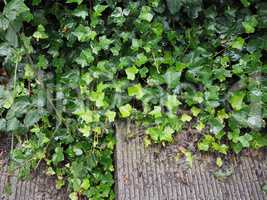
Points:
[[71, 68]]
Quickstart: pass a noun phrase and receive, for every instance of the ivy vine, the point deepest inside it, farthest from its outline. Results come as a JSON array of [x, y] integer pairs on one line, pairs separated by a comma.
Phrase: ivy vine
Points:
[[71, 68]]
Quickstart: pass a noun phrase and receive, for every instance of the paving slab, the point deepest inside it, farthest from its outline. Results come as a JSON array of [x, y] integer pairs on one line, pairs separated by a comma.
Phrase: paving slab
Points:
[[156, 173], [38, 187]]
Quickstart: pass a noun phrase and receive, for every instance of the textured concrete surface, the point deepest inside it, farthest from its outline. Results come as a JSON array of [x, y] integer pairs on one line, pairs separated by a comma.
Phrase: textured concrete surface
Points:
[[157, 174], [39, 187]]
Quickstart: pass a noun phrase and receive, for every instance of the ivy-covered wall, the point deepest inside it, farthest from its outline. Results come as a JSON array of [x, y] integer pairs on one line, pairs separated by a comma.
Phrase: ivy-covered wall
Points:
[[70, 68]]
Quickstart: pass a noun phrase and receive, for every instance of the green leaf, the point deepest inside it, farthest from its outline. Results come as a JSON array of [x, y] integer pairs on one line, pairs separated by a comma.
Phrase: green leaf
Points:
[[32, 117], [264, 188], [104, 42], [203, 146], [28, 72], [166, 135], [13, 124], [85, 184], [131, 72], [81, 11], [84, 33], [40, 33], [136, 90], [125, 110], [73, 196], [236, 100], [58, 156], [215, 126], [154, 133], [172, 102], [219, 161], [250, 24], [3, 125], [174, 6], [146, 14], [221, 148], [245, 140], [195, 111], [42, 62], [11, 37], [74, 1], [238, 43], [234, 135], [156, 112], [14, 8], [110, 115], [36, 2], [141, 59], [186, 118], [98, 98], [246, 3], [85, 58], [4, 23], [172, 78]]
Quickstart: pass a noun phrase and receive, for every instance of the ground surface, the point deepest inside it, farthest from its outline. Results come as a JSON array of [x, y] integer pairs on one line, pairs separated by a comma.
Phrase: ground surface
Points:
[[154, 174]]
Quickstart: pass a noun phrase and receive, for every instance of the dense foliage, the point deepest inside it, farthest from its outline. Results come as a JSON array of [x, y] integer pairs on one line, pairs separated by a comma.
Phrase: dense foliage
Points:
[[70, 68]]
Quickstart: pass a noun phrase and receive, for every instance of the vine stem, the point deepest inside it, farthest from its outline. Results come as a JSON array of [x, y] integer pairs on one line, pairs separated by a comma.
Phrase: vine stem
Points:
[[14, 95]]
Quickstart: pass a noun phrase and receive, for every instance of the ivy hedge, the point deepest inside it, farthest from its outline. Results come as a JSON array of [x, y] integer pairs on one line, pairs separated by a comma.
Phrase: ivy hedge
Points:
[[70, 68]]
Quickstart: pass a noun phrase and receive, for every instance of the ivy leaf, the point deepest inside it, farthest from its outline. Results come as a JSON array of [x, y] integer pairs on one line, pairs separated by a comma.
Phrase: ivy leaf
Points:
[[156, 112], [40, 33], [110, 115], [11, 37], [236, 100], [141, 59], [85, 58], [14, 8], [172, 78], [219, 161], [238, 43], [174, 6], [245, 140], [85, 184], [32, 117], [131, 72], [246, 3], [136, 90], [99, 9], [98, 98], [234, 135], [250, 23], [104, 42], [3, 125], [166, 134], [172, 102], [216, 126], [84, 33], [42, 62], [58, 156], [146, 14], [36, 2], [75, 1], [222, 148], [4, 23], [154, 133], [125, 110], [81, 11], [264, 188], [195, 111], [186, 118], [13, 124]]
